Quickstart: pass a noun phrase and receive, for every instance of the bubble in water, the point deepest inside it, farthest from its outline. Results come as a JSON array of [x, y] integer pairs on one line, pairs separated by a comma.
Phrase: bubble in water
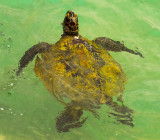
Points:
[[11, 84], [2, 109]]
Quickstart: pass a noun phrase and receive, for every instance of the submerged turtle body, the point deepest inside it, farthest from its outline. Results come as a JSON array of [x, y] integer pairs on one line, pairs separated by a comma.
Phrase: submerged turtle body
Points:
[[81, 71]]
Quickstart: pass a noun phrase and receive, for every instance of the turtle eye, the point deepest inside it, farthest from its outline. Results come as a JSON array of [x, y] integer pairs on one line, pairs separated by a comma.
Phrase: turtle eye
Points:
[[70, 14]]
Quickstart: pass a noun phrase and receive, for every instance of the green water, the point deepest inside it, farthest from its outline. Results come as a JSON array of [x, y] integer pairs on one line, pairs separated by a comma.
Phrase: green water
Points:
[[29, 112]]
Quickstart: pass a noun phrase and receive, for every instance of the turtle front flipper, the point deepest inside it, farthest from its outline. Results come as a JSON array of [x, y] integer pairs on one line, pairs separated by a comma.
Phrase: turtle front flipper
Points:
[[115, 46], [30, 54], [69, 118], [122, 113]]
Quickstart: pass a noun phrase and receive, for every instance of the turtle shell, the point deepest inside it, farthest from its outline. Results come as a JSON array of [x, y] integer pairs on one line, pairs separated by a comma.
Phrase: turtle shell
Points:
[[79, 70]]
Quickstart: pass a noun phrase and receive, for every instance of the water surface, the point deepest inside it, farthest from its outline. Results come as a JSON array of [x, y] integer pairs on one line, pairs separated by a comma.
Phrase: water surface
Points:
[[28, 111]]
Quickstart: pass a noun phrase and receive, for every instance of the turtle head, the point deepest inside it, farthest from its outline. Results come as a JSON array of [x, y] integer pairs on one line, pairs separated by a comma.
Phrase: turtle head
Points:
[[70, 23]]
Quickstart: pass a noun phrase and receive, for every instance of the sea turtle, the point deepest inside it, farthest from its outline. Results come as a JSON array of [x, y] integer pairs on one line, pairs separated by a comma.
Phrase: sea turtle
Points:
[[80, 73]]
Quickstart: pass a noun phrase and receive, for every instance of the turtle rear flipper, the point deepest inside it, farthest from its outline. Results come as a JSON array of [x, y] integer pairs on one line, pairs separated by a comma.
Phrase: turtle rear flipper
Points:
[[69, 118], [30, 54], [69, 126], [122, 113], [115, 46], [123, 118]]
